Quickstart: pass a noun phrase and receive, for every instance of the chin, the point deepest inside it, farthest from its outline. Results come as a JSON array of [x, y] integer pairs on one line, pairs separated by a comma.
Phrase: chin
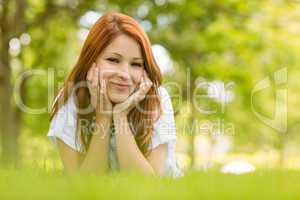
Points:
[[117, 98]]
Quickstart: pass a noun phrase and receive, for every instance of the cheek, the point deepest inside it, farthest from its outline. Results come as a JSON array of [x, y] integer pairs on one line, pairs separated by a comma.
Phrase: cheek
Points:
[[103, 65], [137, 76], [106, 70]]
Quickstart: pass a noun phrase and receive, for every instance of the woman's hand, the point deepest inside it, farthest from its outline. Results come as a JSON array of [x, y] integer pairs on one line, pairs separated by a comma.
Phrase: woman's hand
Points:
[[98, 91], [125, 107]]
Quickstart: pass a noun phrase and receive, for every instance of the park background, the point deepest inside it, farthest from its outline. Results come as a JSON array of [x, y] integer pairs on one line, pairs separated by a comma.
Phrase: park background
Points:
[[231, 68]]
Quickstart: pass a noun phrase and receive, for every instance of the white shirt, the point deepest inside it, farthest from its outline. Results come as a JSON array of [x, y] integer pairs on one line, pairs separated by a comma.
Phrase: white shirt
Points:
[[63, 126]]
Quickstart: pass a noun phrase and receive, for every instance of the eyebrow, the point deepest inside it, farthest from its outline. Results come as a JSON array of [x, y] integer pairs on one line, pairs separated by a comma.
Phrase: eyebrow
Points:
[[134, 58]]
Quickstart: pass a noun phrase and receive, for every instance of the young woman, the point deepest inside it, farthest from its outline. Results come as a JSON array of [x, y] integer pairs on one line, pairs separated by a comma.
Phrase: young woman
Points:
[[112, 112]]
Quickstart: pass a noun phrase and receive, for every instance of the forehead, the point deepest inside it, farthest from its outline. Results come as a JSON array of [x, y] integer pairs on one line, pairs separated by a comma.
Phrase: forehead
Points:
[[124, 45]]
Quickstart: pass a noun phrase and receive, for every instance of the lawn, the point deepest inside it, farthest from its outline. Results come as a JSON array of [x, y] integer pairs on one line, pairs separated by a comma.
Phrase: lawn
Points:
[[36, 184]]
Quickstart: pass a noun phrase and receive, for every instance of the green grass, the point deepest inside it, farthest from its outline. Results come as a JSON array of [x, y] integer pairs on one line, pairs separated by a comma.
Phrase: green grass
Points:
[[30, 184]]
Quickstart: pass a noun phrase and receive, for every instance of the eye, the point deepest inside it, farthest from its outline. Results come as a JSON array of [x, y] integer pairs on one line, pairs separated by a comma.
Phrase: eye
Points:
[[137, 64], [114, 60]]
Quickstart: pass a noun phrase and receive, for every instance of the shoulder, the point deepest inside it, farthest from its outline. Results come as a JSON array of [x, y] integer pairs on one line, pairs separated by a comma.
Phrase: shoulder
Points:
[[166, 104], [165, 99], [63, 123], [164, 129], [67, 111], [163, 93]]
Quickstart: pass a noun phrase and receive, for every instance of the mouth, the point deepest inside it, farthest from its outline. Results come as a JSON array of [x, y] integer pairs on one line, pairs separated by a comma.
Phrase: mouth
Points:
[[120, 86]]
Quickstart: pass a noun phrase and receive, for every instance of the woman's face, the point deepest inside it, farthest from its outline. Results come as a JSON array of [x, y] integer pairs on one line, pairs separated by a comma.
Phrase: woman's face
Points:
[[121, 66]]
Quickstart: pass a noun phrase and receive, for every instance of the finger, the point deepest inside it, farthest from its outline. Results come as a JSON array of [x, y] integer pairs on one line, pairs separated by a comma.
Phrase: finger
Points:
[[98, 84], [141, 82], [103, 90], [146, 77], [95, 77], [102, 86], [101, 74], [103, 95], [101, 81], [90, 79], [144, 89], [146, 84], [90, 72]]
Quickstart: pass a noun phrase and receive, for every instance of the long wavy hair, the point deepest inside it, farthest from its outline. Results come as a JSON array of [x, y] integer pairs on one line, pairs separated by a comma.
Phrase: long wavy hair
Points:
[[103, 32]]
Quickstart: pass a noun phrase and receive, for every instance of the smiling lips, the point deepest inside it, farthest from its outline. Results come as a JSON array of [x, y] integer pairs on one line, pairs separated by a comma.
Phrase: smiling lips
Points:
[[120, 86]]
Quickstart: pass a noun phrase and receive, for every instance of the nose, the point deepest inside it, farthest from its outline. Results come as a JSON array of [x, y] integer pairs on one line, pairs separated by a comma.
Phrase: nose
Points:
[[123, 72]]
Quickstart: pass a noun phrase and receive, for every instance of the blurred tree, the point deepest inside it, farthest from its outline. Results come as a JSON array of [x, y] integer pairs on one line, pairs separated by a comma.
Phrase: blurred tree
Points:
[[230, 41], [210, 40], [204, 38], [17, 17]]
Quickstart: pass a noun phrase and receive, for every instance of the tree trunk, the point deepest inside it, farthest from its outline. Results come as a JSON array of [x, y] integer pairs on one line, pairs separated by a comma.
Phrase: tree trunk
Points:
[[190, 91], [10, 118], [9, 144], [282, 145], [192, 143]]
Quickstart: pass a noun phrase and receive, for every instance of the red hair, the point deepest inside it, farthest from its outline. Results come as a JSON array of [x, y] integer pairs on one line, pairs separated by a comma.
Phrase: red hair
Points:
[[104, 31]]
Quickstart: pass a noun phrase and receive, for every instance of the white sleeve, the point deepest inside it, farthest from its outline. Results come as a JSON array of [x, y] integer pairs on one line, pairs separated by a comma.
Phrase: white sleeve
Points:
[[164, 129], [63, 124]]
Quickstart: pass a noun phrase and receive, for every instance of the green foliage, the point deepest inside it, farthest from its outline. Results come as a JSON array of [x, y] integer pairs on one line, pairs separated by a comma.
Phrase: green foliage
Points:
[[229, 40]]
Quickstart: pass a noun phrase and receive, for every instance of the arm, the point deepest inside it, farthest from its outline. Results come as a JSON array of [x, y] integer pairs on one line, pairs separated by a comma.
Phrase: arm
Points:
[[96, 158], [129, 155]]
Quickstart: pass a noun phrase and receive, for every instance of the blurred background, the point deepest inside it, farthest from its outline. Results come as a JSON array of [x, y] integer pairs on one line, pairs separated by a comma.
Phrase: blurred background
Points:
[[231, 68]]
